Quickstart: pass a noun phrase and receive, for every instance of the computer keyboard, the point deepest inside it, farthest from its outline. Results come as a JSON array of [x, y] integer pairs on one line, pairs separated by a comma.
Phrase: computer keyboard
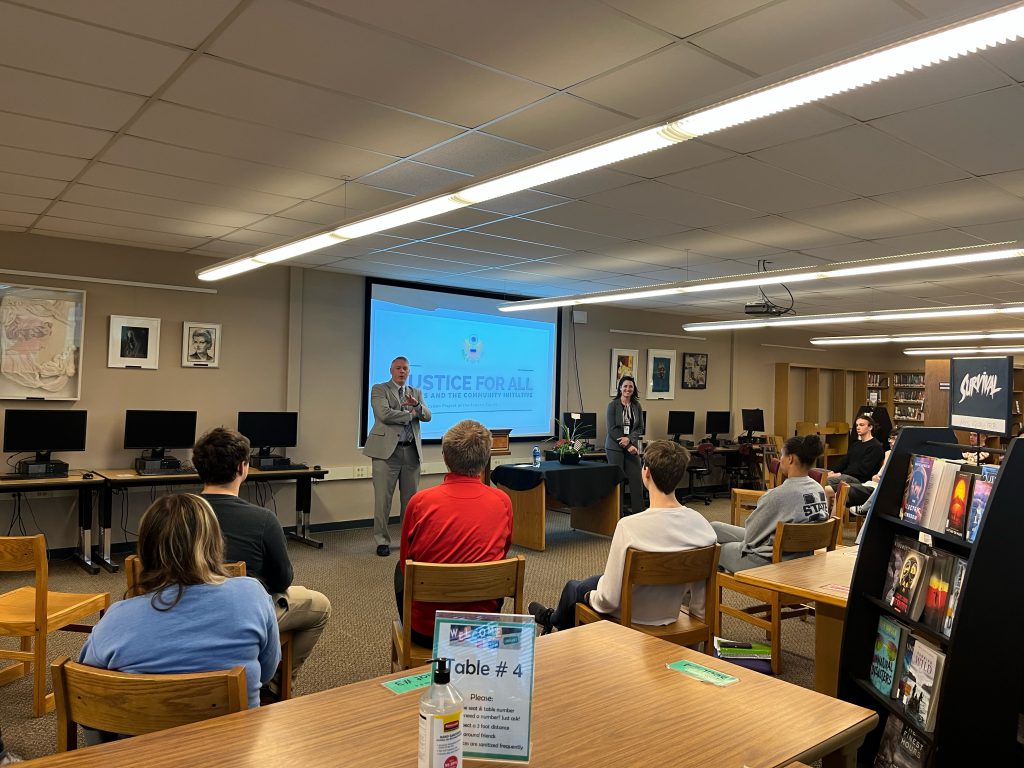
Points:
[[23, 476], [285, 467], [184, 470]]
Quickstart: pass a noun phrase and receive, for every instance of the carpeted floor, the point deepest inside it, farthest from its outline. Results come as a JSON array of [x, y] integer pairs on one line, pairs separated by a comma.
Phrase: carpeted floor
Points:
[[356, 644]]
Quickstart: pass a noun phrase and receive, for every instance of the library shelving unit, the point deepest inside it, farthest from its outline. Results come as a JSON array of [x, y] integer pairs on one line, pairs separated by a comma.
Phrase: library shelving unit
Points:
[[878, 383], [908, 398], [979, 697]]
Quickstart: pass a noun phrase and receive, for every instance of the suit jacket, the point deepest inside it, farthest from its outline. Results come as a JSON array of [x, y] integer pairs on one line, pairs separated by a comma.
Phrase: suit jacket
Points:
[[614, 422], [389, 420]]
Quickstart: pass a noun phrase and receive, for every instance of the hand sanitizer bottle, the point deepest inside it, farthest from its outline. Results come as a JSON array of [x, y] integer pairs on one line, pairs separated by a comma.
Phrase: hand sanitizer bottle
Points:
[[441, 721]]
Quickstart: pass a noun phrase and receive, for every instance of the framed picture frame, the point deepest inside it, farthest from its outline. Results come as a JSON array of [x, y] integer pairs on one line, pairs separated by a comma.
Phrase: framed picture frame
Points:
[[624, 363], [661, 375], [134, 342], [41, 332], [695, 370], [200, 344]]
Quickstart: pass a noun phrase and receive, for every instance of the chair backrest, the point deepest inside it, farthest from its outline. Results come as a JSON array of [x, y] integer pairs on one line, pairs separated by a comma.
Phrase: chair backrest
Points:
[[839, 505], [819, 476], [805, 537], [133, 704], [666, 568], [27, 553], [133, 573], [774, 468]]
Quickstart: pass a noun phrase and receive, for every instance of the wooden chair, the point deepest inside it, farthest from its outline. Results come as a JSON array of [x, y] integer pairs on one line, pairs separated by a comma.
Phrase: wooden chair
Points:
[[743, 502], [819, 475], [665, 568], [451, 583], [133, 704], [840, 510], [776, 606], [133, 572], [31, 613], [773, 473]]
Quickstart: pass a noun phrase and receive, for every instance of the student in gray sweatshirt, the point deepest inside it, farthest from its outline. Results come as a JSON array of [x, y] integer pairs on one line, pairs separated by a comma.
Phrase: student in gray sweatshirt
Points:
[[798, 500]]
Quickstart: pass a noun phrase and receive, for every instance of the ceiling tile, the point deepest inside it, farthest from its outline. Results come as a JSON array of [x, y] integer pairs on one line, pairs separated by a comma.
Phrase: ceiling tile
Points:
[[926, 241], [797, 30], [22, 204], [158, 206], [685, 17], [100, 238], [998, 233], [360, 197], [278, 225], [558, 44], [29, 163], [653, 85], [420, 230], [223, 247], [778, 129], [253, 239], [414, 178], [55, 46], [557, 236], [367, 63], [203, 166], [557, 121], [477, 154], [48, 136], [583, 184], [228, 89], [748, 182], [526, 201], [88, 213], [606, 221], [449, 259], [861, 159], [55, 99], [959, 203], [1008, 57], [703, 245], [463, 218], [91, 230], [317, 213], [163, 185], [655, 199], [14, 184], [678, 157], [864, 218], [520, 249], [780, 233], [981, 146]]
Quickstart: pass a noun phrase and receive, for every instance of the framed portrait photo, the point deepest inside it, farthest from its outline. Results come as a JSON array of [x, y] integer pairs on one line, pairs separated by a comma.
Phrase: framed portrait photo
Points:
[[200, 345], [661, 375], [624, 363], [695, 370], [134, 342]]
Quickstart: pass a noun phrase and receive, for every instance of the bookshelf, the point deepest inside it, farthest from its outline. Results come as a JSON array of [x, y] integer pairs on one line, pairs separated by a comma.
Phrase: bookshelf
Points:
[[908, 398], [980, 691], [878, 383]]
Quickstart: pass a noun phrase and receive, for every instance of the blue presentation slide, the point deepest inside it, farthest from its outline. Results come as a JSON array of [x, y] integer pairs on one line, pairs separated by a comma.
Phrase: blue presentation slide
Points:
[[471, 361]]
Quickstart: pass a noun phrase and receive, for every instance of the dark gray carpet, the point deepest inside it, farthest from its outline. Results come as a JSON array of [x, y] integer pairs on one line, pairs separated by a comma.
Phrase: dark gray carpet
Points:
[[356, 644]]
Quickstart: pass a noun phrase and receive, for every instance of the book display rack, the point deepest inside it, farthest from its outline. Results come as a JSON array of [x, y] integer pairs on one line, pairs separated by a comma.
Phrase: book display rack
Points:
[[975, 700]]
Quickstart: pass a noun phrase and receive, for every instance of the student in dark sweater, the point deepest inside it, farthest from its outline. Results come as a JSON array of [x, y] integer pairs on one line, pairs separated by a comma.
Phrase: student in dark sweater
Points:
[[863, 458], [253, 534]]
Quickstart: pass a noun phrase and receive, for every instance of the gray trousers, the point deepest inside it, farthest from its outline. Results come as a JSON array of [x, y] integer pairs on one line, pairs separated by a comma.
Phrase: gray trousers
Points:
[[402, 467], [630, 466], [732, 558]]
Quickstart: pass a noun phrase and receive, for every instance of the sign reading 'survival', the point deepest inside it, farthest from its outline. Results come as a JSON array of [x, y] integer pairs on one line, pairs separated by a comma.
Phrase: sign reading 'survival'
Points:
[[981, 393]]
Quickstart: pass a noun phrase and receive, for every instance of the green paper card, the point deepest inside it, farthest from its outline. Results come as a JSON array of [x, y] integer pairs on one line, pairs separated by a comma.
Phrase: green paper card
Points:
[[410, 683], [704, 674]]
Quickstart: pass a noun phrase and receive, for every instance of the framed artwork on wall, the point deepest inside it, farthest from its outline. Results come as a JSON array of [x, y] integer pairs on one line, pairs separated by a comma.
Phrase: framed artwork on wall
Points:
[[695, 370], [134, 342], [624, 363], [200, 345], [661, 375], [41, 332]]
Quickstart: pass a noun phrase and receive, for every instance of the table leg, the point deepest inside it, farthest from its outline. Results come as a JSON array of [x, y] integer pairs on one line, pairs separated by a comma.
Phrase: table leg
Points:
[[600, 517], [83, 555], [844, 757], [529, 516], [828, 637], [303, 505], [101, 553]]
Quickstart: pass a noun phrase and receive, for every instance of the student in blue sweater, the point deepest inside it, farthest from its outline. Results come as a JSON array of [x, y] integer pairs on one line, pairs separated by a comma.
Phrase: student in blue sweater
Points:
[[191, 617]]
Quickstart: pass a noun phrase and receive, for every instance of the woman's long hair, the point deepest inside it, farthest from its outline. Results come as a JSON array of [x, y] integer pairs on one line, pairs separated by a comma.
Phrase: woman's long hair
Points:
[[180, 544], [636, 390]]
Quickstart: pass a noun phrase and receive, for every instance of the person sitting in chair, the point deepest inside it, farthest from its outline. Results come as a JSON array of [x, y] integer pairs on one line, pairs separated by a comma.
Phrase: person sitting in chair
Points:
[[666, 526], [799, 499]]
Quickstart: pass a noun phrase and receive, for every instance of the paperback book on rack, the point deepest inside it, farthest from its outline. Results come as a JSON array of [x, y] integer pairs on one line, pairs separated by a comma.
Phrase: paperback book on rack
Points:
[[901, 746], [979, 503], [937, 591], [915, 497], [910, 589], [960, 497], [921, 684], [889, 646]]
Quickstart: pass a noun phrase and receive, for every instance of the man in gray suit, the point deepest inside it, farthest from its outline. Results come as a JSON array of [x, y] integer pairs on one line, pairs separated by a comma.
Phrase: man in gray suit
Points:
[[394, 446]]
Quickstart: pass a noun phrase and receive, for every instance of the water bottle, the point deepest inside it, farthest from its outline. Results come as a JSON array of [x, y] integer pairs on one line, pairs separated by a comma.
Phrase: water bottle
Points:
[[536, 456]]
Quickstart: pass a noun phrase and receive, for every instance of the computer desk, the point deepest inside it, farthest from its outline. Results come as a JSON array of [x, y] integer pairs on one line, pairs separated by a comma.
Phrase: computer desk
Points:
[[74, 481], [114, 479]]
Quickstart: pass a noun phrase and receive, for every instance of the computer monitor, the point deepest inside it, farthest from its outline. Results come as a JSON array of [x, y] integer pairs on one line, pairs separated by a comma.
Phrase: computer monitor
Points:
[[154, 431], [753, 420], [582, 424], [680, 423], [44, 431], [269, 429], [716, 423]]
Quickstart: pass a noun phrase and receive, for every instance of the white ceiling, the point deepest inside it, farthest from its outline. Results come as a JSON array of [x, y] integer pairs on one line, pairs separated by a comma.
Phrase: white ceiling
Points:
[[217, 127]]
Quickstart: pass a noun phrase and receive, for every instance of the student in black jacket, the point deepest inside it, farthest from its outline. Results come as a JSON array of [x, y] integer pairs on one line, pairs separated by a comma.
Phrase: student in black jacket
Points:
[[863, 458]]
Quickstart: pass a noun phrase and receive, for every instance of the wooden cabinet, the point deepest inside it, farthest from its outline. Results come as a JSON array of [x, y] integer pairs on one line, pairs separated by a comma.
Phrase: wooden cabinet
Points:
[[980, 690]]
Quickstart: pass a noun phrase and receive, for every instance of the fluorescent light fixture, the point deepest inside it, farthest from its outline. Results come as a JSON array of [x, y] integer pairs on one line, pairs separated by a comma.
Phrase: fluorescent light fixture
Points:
[[229, 269], [903, 262], [930, 48], [974, 310], [290, 251], [957, 351], [903, 338]]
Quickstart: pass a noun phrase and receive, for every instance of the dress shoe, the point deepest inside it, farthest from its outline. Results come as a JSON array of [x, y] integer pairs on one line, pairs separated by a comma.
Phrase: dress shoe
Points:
[[383, 550], [542, 616]]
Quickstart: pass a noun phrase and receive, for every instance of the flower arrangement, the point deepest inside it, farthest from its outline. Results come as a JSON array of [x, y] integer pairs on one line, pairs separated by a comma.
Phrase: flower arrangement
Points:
[[569, 444]]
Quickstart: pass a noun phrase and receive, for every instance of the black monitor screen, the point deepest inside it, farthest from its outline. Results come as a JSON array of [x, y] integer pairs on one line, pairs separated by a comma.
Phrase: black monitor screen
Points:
[[753, 420], [159, 429], [270, 429], [585, 425], [41, 431], [680, 422], [717, 423]]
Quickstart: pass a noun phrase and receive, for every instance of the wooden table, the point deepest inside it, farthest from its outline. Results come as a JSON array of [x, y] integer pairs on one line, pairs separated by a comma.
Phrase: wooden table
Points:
[[529, 507], [603, 697], [823, 579]]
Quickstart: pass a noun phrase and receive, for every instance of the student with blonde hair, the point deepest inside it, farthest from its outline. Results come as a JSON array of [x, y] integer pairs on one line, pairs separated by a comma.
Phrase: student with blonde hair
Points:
[[190, 617]]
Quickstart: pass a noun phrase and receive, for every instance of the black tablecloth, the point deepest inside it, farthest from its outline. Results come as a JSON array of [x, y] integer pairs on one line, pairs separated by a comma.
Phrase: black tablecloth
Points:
[[577, 485]]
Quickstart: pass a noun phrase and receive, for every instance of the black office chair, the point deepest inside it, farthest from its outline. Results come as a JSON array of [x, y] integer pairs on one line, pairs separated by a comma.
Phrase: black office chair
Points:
[[699, 467], [740, 467]]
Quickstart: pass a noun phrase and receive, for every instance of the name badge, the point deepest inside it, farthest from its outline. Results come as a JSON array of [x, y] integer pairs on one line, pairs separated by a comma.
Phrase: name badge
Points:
[[625, 429]]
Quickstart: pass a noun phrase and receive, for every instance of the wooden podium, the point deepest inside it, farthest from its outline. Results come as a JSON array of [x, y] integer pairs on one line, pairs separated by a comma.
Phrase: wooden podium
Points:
[[499, 447]]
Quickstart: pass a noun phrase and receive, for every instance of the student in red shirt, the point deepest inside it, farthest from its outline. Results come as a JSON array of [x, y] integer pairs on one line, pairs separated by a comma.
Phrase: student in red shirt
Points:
[[459, 521]]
